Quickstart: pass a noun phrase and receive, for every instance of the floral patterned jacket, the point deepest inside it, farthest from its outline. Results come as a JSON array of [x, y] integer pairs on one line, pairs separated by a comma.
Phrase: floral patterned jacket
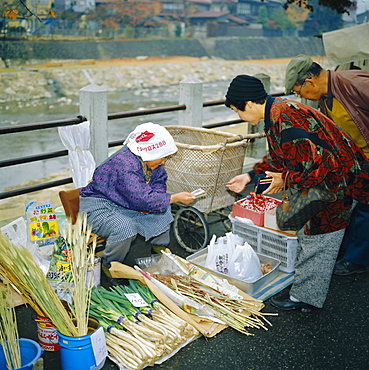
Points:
[[312, 148]]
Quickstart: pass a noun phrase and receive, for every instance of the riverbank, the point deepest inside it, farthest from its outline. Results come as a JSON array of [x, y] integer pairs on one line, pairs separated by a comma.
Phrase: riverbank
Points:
[[140, 72], [54, 80]]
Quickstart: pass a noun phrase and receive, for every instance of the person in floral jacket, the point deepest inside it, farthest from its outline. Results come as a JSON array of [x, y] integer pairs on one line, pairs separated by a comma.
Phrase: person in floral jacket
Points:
[[343, 96], [311, 148]]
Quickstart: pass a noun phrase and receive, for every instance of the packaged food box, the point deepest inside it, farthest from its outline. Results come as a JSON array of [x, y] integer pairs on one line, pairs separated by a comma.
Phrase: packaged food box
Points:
[[242, 208], [270, 221]]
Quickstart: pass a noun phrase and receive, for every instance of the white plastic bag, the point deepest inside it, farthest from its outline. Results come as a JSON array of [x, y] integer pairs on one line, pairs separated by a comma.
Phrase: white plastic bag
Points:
[[76, 139], [219, 253], [233, 240], [17, 232], [245, 264]]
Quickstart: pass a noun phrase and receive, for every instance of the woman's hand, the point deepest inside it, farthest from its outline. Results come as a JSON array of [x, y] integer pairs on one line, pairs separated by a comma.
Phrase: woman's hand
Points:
[[239, 182], [184, 197], [277, 183]]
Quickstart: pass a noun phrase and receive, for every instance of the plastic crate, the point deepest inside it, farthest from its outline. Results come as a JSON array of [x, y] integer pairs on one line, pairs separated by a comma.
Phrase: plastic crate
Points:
[[280, 246], [249, 233], [271, 243]]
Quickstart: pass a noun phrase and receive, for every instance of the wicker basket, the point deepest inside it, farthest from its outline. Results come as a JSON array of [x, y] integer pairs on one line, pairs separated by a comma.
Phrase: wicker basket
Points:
[[204, 160]]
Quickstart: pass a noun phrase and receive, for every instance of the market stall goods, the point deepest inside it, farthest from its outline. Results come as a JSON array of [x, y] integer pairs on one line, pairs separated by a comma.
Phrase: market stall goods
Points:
[[9, 343], [139, 329], [238, 313], [20, 268]]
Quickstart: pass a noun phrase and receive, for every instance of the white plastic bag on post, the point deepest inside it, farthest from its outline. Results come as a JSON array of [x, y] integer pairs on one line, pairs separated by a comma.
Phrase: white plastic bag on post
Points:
[[245, 264], [76, 139]]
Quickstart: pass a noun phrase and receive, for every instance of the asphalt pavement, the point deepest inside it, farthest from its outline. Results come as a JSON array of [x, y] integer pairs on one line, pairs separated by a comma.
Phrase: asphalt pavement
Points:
[[335, 337]]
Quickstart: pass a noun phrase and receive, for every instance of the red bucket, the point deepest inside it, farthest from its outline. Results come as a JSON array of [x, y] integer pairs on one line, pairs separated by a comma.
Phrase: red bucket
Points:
[[48, 337]]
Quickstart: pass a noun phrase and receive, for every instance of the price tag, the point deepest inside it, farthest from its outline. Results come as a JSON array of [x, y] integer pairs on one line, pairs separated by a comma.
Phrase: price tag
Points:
[[136, 299], [99, 345]]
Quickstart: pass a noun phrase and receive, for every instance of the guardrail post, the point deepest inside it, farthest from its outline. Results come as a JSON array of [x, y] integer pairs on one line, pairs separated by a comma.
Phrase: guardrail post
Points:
[[258, 148], [94, 106], [190, 94]]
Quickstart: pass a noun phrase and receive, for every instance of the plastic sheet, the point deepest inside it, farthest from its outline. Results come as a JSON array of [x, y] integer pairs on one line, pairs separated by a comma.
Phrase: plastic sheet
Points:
[[76, 139]]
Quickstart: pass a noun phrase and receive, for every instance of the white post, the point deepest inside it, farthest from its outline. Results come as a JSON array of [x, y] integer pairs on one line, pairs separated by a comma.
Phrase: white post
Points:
[[190, 94], [94, 106]]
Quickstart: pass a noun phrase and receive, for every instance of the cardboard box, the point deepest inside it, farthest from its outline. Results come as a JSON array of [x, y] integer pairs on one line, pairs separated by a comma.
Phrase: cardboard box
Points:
[[258, 218], [239, 211], [270, 221]]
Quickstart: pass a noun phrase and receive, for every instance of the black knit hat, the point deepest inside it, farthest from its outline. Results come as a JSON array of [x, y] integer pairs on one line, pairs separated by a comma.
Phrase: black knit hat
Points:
[[246, 88]]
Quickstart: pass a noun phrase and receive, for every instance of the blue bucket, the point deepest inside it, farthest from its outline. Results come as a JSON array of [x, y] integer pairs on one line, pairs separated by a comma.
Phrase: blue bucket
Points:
[[30, 352], [77, 353]]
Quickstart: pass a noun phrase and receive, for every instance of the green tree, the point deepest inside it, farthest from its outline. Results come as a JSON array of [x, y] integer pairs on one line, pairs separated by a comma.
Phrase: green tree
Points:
[[281, 20], [263, 16], [178, 30]]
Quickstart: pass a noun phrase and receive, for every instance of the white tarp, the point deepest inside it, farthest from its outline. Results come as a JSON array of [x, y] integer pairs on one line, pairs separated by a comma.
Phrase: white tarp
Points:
[[347, 45], [76, 139]]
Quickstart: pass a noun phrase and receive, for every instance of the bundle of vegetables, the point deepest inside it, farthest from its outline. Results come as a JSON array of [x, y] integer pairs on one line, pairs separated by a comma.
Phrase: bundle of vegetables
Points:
[[8, 329], [18, 266], [138, 333], [81, 263], [237, 313]]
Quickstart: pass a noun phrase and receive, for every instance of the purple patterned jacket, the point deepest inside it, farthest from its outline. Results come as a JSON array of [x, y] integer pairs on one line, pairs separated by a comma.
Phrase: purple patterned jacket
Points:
[[121, 179]]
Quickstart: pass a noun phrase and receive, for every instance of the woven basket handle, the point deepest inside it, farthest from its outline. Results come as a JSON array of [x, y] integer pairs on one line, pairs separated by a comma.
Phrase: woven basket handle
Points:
[[234, 139]]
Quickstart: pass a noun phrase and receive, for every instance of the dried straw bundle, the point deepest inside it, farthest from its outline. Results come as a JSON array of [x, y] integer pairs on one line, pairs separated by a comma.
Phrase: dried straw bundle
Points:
[[18, 266], [8, 329], [77, 237]]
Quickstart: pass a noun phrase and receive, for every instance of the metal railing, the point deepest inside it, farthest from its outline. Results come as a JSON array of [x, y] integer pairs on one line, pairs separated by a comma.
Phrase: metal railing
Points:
[[63, 153], [80, 119]]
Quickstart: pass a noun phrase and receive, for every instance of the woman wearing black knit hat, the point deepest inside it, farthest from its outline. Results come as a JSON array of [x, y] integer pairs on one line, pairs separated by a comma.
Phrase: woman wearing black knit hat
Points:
[[309, 147]]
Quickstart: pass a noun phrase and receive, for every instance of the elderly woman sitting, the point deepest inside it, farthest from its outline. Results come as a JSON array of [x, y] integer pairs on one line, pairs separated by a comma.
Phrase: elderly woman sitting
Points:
[[127, 195]]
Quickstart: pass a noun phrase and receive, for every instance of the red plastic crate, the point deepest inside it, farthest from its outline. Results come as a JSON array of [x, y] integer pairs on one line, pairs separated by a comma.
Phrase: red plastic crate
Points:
[[256, 217]]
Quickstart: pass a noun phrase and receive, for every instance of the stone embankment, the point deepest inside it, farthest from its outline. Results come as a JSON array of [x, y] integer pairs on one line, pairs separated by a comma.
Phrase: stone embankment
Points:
[[52, 81]]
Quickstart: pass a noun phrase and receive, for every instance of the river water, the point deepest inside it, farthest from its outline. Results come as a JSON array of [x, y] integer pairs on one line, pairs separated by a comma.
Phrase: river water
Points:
[[44, 141]]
